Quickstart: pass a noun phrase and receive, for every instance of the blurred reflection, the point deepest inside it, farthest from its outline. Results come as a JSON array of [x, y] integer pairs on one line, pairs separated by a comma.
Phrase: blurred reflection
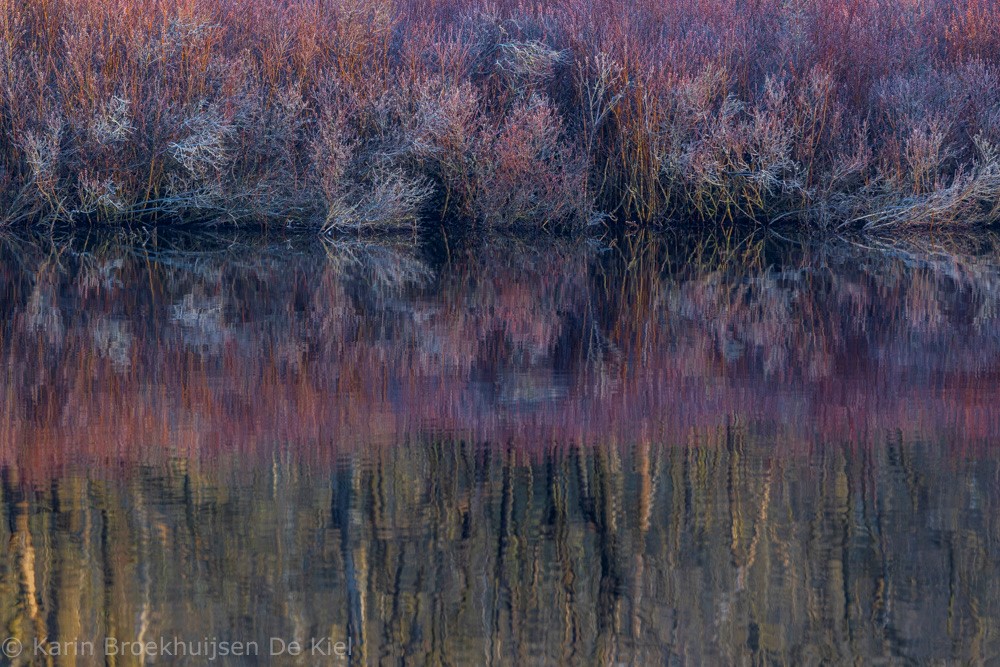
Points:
[[710, 449]]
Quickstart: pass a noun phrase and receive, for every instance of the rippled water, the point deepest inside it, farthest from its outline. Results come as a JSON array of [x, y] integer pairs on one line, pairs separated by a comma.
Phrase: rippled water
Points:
[[648, 451]]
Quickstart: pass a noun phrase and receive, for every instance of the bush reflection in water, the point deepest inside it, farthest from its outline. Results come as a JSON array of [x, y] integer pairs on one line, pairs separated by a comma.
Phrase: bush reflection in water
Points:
[[707, 449]]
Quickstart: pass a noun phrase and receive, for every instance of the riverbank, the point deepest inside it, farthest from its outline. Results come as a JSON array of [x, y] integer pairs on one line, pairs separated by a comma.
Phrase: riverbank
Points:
[[386, 114]]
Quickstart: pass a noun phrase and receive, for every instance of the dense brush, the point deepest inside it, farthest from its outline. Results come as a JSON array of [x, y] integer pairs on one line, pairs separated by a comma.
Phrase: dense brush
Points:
[[349, 114]]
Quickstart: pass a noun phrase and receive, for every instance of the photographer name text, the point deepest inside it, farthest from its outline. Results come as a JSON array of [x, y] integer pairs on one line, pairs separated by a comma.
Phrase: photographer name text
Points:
[[205, 648]]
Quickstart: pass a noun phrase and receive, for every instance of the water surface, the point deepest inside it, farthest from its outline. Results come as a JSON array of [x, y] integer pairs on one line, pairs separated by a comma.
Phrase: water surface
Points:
[[646, 451]]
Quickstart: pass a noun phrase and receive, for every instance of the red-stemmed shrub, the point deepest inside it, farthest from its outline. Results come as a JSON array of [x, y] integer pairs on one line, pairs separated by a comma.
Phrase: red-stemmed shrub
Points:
[[850, 114]]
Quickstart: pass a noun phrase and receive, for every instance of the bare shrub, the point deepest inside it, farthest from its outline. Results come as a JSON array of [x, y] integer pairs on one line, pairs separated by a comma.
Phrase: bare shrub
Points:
[[445, 134], [527, 174], [359, 113], [389, 200]]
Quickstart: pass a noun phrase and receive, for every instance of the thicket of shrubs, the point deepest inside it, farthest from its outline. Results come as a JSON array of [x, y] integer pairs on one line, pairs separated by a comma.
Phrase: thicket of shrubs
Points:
[[850, 114]]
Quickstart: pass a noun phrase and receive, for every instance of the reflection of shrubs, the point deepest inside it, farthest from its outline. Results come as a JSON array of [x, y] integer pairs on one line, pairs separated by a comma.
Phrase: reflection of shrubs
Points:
[[374, 113]]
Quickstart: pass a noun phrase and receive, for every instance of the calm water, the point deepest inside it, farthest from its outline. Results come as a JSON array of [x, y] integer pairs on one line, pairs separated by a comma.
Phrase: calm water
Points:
[[682, 451]]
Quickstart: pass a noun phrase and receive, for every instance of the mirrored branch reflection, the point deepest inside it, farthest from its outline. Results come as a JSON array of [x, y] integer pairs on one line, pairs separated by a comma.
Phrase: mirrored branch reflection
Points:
[[710, 449]]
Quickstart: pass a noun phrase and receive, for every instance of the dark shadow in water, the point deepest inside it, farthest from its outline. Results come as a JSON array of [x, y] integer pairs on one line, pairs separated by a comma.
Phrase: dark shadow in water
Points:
[[706, 450]]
